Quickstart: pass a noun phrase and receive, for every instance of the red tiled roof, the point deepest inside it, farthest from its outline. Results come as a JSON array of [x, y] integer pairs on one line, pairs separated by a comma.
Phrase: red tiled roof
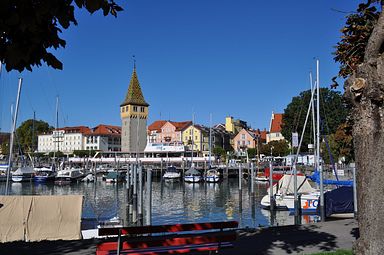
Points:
[[106, 130], [181, 125], [262, 134], [277, 120], [156, 126], [78, 129]]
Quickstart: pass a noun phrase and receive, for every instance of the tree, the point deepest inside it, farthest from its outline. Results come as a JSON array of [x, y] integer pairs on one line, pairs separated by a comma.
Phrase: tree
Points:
[[5, 146], [279, 148], [29, 28], [333, 112], [27, 132], [365, 94], [251, 152]]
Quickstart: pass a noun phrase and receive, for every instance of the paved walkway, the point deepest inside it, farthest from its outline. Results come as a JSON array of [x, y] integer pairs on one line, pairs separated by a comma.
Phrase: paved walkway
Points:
[[305, 239]]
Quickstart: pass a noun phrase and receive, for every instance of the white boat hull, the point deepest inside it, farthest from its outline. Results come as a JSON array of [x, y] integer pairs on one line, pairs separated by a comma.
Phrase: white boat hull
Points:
[[193, 179]]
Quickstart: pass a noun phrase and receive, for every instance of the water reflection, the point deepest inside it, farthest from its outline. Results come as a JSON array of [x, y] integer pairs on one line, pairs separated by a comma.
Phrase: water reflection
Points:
[[172, 202]]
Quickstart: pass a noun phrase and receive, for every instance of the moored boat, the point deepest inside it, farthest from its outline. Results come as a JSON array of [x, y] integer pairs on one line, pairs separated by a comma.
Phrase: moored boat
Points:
[[192, 175], [23, 174], [70, 175], [283, 193], [171, 174], [44, 174], [114, 177], [212, 175]]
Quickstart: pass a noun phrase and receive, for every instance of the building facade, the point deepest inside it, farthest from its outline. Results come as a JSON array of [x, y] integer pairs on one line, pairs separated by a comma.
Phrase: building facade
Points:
[[275, 128], [103, 138], [134, 114]]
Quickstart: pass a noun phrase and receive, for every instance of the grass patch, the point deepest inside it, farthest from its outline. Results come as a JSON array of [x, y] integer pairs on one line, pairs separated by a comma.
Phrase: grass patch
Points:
[[338, 252]]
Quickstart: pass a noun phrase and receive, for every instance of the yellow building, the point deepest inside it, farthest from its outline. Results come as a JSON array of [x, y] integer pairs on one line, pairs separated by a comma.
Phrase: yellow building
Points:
[[198, 136]]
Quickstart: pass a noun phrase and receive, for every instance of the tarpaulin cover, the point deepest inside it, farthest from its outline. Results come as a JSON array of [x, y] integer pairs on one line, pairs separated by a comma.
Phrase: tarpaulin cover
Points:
[[36, 218], [339, 200]]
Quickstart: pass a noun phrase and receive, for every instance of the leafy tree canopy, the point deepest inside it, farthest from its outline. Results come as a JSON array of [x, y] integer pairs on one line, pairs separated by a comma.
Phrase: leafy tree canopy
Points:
[[358, 27], [279, 148], [333, 112], [26, 133], [29, 28]]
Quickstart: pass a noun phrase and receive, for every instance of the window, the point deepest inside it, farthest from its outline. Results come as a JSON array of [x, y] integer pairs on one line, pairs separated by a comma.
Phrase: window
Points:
[[242, 136], [249, 142], [122, 109], [141, 109], [135, 108]]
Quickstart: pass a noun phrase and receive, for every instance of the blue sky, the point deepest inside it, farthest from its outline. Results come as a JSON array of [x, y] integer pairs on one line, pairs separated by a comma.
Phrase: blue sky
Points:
[[242, 58]]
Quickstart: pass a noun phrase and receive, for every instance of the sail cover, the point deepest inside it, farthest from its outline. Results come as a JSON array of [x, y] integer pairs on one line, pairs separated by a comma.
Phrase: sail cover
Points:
[[286, 185], [36, 218]]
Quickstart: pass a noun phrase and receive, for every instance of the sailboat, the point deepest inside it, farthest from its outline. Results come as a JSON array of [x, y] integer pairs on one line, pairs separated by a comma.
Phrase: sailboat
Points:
[[192, 174], [212, 175], [309, 197]]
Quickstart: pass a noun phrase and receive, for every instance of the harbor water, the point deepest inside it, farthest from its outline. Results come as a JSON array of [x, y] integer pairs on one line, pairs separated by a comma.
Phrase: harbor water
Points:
[[172, 202]]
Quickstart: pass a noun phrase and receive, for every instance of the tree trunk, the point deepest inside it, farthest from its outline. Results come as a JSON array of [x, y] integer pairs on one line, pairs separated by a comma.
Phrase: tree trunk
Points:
[[365, 91]]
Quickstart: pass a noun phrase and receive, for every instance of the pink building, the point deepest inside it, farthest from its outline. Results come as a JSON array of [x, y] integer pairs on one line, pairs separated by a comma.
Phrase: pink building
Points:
[[166, 131]]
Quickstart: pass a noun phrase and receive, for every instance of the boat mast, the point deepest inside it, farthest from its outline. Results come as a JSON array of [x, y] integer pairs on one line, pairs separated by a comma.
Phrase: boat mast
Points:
[[318, 163], [193, 141], [210, 138], [13, 135], [313, 121], [57, 123]]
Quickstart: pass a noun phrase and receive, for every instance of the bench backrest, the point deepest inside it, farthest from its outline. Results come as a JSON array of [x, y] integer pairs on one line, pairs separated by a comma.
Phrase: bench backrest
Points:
[[168, 228]]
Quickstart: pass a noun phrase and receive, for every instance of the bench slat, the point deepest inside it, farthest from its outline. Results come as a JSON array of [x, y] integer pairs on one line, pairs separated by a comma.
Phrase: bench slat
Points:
[[168, 228], [175, 249], [214, 237]]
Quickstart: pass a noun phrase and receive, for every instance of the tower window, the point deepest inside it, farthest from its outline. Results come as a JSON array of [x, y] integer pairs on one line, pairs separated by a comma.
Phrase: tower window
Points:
[[122, 109], [142, 109], [135, 108]]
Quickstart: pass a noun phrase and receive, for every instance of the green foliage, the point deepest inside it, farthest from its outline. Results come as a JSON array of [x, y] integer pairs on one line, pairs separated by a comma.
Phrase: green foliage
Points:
[[355, 34], [84, 153], [5, 148], [57, 154], [218, 151], [279, 148], [30, 27], [24, 133], [338, 252], [251, 152], [333, 112], [344, 142]]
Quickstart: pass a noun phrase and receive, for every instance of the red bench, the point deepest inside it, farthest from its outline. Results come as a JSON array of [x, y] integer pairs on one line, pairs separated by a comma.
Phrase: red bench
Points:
[[169, 239]]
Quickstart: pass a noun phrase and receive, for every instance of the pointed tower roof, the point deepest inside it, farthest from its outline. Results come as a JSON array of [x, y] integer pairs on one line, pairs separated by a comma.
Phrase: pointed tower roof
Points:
[[134, 95]]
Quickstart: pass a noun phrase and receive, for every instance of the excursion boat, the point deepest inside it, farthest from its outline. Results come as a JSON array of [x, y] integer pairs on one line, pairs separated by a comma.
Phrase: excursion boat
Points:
[[44, 174], [70, 175], [212, 176], [283, 192], [171, 174], [192, 175]]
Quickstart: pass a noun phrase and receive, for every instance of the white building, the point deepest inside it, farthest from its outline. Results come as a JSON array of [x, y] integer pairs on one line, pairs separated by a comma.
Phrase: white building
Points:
[[275, 128], [68, 139]]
